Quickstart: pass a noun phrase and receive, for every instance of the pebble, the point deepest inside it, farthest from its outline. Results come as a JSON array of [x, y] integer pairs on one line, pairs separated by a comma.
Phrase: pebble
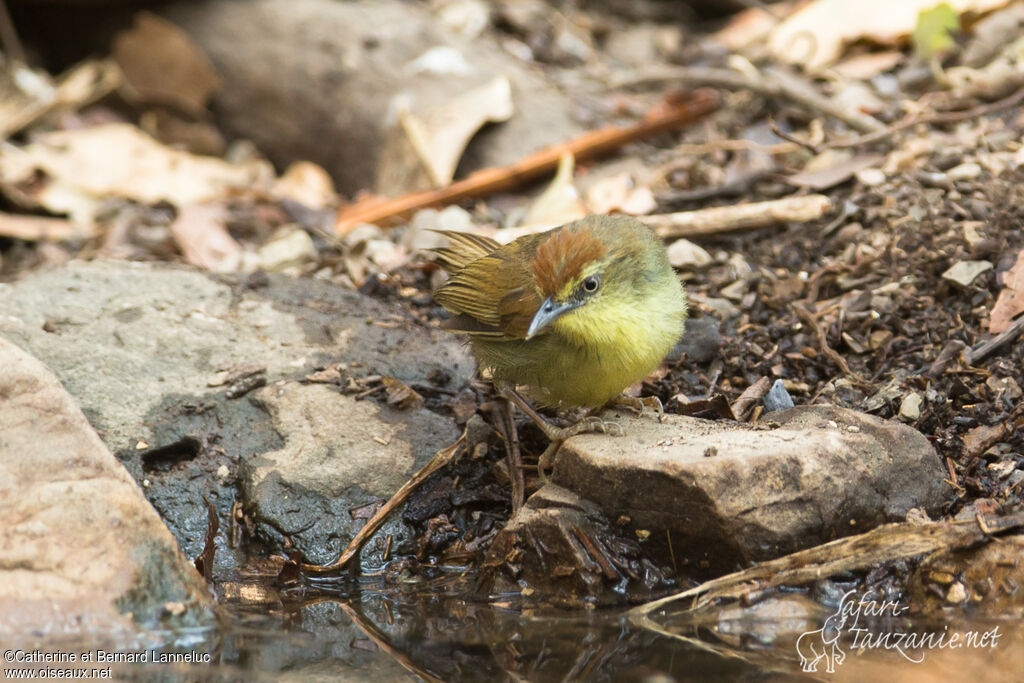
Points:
[[964, 171], [910, 407], [685, 254], [963, 273], [777, 398]]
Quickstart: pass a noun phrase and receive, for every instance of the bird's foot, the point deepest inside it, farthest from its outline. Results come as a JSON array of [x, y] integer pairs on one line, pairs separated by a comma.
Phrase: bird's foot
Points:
[[558, 435], [639, 404]]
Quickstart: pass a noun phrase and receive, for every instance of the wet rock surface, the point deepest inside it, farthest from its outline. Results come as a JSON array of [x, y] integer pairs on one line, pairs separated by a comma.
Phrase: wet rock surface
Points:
[[299, 72], [707, 497], [986, 579], [338, 454], [164, 361], [81, 551]]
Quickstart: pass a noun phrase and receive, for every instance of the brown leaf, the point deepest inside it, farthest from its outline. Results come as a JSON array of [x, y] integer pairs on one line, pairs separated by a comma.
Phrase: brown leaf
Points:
[[200, 233], [162, 65], [400, 395], [978, 439], [1010, 302]]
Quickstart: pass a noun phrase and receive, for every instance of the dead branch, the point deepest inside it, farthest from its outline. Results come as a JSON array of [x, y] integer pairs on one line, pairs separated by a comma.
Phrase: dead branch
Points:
[[939, 117], [774, 82], [40, 228], [440, 459], [545, 161], [811, 321], [739, 217], [1004, 337], [854, 553]]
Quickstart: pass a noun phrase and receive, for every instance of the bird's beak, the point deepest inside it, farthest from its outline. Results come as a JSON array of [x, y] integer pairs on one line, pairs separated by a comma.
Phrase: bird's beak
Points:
[[548, 312]]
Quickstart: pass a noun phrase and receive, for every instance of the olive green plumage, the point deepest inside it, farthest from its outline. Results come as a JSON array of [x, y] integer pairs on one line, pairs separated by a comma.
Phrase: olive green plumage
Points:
[[575, 315]]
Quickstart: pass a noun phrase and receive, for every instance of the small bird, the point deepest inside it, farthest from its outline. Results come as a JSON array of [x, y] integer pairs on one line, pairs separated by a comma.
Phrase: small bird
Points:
[[573, 315]]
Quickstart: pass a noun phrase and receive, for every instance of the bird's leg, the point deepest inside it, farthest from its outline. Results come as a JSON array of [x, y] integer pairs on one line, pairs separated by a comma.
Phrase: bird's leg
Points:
[[557, 435], [640, 403]]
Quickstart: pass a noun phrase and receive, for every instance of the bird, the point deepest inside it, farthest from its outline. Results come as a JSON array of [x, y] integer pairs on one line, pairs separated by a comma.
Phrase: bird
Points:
[[570, 317]]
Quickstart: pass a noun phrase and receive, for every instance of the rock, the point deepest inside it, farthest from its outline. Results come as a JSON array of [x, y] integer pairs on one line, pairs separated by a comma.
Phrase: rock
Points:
[[963, 273], [315, 79], [162, 360], [701, 340], [777, 398], [964, 171], [338, 453], [910, 406], [685, 254], [986, 577], [81, 551], [564, 545], [294, 249], [715, 496]]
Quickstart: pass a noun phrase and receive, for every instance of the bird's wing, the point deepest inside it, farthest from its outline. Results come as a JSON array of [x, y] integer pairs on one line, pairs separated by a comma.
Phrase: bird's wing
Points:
[[465, 248], [493, 296]]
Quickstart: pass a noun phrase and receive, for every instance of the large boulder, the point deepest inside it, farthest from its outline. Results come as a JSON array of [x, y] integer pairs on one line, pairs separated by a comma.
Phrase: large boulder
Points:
[[706, 498], [314, 79], [82, 553], [167, 363]]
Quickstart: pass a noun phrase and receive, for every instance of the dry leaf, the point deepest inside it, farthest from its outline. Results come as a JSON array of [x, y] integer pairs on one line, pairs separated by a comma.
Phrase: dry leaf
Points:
[[751, 25], [162, 65], [26, 95], [834, 171], [85, 166], [41, 228], [200, 233], [560, 202], [815, 35], [400, 395], [423, 151], [619, 193], [1010, 302], [308, 184], [868, 65]]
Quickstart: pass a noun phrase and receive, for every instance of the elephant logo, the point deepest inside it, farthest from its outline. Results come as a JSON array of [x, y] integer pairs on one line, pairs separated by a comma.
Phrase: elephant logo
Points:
[[822, 643]]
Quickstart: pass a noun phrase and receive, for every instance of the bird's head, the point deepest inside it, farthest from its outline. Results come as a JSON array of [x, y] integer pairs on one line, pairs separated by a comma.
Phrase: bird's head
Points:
[[589, 274]]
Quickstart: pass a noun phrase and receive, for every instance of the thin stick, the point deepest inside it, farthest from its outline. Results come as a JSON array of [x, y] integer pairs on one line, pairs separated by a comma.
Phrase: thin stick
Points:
[[739, 217], [775, 83], [1004, 337], [823, 344], [440, 459], [545, 161], [939, 117], [515, 456], [9, 36]]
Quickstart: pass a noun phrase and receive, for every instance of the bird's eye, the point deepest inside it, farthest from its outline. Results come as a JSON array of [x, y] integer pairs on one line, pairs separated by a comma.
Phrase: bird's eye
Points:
[[591, 284]]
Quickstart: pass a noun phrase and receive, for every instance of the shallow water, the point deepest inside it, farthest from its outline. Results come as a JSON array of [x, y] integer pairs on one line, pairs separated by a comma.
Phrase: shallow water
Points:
[[432, 632]]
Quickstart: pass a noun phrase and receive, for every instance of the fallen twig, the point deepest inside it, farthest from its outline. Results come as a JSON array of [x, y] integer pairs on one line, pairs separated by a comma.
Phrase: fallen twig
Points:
[[855, 553], [938, 117], [1004, 337], [811, 321], [738, 217], [750, 396], [40, 228], [491, 180], [440, 459], [774, 82]]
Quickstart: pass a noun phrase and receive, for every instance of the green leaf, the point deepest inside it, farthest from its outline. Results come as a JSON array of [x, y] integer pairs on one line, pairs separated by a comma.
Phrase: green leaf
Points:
[[934, 31]]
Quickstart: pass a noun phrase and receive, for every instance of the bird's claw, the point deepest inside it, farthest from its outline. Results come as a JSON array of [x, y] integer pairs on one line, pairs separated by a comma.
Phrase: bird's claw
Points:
[[640, 404], [587, 425]]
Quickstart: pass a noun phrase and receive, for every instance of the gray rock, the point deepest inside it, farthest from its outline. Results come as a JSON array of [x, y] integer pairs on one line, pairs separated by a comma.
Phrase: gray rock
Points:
[[777, 398], [313, 79], [712, 497], [338, 453], [139, 346], [81, 551]]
